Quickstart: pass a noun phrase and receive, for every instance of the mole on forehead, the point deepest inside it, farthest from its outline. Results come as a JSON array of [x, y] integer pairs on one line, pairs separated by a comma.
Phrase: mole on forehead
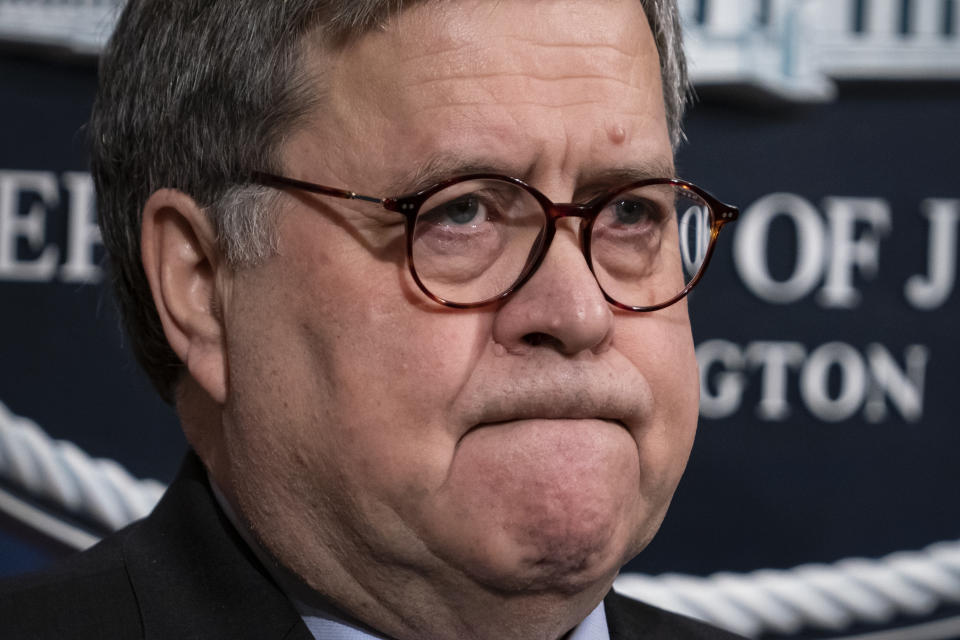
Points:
[[616, 133]]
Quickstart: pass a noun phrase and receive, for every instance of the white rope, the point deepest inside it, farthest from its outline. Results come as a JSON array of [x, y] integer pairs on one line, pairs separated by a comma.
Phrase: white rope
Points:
[[59, 471], [38, 520], [831, 597]]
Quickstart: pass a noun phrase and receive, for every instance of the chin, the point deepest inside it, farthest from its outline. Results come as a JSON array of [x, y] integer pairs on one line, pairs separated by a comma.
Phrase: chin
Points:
[[566, 576], [560, 513], [563, 556]]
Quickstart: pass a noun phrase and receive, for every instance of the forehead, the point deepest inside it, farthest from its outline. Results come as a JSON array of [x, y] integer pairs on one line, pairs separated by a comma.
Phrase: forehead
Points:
[[513, 80]]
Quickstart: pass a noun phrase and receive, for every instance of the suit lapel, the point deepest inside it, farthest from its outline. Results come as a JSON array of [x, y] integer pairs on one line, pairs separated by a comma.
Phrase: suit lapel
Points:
[[630, 619], [623, 620], [195, 578]]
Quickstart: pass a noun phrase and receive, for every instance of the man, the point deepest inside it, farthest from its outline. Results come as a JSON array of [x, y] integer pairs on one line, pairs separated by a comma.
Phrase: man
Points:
[[425, 417]]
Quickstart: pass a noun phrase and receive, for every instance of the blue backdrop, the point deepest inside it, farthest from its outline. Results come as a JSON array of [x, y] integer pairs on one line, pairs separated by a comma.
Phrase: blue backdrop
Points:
[[825, 327]]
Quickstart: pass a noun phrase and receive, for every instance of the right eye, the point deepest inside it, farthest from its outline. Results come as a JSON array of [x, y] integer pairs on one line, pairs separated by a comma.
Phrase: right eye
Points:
[[464, 210], [633, 212], [468, 209]]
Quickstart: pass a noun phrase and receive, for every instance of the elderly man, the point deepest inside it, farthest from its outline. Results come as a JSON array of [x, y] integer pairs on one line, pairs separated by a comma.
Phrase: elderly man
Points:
[[425, 400]]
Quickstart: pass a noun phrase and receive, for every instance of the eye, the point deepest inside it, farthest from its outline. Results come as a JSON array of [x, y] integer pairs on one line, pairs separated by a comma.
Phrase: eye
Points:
[[634, 211], [465, 210]]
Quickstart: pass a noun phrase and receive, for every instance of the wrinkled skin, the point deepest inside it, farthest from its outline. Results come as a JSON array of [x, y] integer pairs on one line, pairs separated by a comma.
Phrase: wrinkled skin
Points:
[[423, 466]]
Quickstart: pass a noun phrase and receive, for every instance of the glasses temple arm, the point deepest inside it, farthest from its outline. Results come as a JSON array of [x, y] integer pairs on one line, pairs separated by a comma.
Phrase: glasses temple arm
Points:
[[272, 180]]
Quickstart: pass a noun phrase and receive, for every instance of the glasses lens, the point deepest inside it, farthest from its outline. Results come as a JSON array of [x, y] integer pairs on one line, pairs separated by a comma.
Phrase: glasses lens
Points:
[[473, 240], [649, 243]]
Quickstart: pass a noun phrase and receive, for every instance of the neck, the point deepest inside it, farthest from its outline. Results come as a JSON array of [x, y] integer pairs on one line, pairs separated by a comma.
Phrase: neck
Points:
[[411, 608]]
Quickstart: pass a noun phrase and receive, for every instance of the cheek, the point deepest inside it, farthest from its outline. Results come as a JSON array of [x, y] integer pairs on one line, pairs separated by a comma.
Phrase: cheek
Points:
[[340, 397], [401, 361], [661, 347], [368, 339], [396, 371]]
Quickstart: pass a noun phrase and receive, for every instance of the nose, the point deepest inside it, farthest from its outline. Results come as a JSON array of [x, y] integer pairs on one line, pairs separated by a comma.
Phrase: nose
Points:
[[560, 307]]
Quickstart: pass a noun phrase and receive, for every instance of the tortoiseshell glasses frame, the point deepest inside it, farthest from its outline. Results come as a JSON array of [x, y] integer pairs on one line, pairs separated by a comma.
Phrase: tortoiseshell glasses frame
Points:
[[410, 206]]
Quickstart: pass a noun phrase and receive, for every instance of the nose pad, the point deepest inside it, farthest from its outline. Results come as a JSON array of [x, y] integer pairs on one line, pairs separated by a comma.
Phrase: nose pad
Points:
[[561, 306]]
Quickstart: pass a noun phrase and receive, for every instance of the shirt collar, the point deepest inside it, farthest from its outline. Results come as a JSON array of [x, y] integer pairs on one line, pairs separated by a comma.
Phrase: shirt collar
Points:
[[593, 627]]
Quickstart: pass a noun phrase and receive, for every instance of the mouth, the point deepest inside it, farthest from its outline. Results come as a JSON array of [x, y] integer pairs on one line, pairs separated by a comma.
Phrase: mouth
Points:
[[585, 421], [570, 411], [559, 393], [534, 440]]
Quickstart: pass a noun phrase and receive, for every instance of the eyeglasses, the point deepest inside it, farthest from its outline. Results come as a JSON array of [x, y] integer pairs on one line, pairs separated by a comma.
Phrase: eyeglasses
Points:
[[475, 239]]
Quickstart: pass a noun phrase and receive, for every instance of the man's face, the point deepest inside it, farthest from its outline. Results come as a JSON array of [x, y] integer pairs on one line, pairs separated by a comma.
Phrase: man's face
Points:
[[532, 445]]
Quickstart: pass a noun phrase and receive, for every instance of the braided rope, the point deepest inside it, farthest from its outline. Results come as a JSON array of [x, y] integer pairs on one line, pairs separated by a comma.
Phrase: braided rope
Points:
[[831, 597], [60, 471], [80, 25]]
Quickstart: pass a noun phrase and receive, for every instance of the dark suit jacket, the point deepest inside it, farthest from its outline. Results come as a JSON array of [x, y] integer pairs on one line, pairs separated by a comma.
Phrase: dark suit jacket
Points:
[[183, 572]]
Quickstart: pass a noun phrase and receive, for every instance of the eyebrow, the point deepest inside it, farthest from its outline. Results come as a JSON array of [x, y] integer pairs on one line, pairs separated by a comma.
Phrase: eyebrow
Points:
[[443, 167], [625, 175]]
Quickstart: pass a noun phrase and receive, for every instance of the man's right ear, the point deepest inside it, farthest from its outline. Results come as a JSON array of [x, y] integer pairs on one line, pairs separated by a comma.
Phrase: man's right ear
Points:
[[181, 261]]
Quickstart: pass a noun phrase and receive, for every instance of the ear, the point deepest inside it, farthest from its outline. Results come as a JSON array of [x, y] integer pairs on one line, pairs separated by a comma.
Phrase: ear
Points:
[[181, 261]]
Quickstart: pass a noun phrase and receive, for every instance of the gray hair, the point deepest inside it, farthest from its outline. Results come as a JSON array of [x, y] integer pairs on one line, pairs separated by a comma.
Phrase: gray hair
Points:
[[196, 94]]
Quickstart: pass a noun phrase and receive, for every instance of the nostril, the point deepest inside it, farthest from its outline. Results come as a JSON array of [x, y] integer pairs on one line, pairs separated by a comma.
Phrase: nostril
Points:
[[538, 338]]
